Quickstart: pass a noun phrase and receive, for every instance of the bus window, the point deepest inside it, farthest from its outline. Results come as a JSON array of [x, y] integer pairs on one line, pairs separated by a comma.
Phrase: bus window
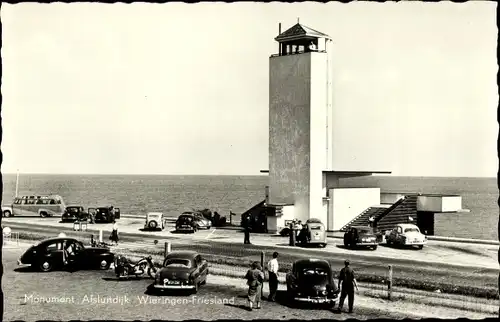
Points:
[[39, 202]]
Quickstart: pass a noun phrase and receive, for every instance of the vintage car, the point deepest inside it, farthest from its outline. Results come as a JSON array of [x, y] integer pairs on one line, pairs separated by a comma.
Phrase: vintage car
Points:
[[360, 236], [186, 223], [74, 213], [154, 221], [104, 214], [406, 235], [313, 233], [312, 280], [182, 270], [47, 255], [202, 222]]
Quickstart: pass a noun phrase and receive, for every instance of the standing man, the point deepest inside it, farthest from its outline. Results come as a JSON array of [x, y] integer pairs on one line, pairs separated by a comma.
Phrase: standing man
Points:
[[347, 283], [247, 231], [272, 267]]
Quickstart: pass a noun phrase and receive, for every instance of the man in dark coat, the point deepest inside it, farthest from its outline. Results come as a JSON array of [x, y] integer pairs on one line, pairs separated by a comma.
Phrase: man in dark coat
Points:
[[246, 226], [347, 283]]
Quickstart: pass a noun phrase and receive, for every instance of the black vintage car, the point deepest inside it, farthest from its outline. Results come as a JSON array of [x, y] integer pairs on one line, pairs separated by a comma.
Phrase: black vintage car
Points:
[[312, 281], [105, 214], [182, 270], [74, 213], [187, 222], [47, 255], [360, 236]]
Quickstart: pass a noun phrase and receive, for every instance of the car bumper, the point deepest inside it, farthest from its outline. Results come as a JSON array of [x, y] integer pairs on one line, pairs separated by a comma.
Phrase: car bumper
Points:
[[318, 300], [367, 244], [419, 243], [173, 287], [19, 263], [184, 229]]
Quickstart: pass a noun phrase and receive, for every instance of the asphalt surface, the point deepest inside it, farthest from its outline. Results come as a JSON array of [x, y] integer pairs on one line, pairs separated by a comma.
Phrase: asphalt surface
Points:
[[364, 262], [87, 295]]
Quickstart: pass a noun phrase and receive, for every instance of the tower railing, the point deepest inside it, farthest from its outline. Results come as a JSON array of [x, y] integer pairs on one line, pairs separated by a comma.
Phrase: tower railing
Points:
[[299, 52]]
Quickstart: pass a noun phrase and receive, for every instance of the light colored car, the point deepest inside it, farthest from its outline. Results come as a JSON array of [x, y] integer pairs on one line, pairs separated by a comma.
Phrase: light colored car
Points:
[[154, 221], [202, 222], [406, 235]]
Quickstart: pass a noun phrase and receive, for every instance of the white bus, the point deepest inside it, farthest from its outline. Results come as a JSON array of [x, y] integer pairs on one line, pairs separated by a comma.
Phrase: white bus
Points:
[[43, 206]]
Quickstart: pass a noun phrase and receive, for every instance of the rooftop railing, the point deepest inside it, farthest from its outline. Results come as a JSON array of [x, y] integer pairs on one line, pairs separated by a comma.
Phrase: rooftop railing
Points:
[[299, 52]]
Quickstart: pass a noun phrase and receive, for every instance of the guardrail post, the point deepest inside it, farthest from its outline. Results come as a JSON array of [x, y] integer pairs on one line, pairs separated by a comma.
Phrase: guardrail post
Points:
[[262, 258], [100, 235], [389, 283], [168, 248]]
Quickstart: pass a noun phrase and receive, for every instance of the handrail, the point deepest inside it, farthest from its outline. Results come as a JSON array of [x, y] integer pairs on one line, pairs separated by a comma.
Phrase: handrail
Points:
[[299, 52]]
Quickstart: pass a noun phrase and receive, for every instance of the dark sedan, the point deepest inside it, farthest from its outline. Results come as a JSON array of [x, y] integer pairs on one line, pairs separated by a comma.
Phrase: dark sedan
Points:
[[49, 255], [74, 213], [360, 236], [182, 270], [186, 223], [105, 214], [312, 281]]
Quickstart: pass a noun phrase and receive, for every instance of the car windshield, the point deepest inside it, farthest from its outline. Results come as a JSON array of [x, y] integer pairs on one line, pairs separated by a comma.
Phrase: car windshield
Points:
[[364, 231], [185, 218], [177, 262], [412, 230], [316, 227], [313, 276], [73, 209]]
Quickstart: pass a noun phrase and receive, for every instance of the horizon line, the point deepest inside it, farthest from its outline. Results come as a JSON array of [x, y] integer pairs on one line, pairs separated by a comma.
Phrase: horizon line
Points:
[[211, 174]]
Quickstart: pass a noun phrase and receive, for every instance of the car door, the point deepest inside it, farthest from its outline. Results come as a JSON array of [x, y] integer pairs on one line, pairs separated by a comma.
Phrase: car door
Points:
[[53, 252]]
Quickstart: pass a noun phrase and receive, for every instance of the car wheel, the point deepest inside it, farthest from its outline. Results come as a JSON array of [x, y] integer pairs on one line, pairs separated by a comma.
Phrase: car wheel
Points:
[[322, 245], [153, 224], [420, 246], [374, 248], [46, 266], [104, 264], [7, 213], [43, 214]]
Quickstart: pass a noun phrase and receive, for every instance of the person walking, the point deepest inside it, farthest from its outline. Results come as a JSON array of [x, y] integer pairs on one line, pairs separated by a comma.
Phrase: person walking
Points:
[[255, 279], [347, 283], [114, 234], [272, 267], [247, 231]]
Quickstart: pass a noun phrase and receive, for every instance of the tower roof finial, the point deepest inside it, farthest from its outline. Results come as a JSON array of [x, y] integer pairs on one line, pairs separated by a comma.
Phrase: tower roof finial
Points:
[[298, 20]]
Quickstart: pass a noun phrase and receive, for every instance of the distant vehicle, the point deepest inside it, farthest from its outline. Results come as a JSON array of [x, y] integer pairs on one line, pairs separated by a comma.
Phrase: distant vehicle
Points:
[[186, 223], [47, 255], [43, 206], [202, 222], [257, 222], [313, 233], [104, 214], [312, 280], [360, 236], [406, 235], [182, 270], [154, 221], [74, 213]]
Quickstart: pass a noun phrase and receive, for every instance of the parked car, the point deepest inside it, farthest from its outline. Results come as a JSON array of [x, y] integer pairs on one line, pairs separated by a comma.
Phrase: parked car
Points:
[[47, 255], [182, 270], [406, 235], [313, 233], [312, 280], [154, 221], [105, 214], [74, 213], [202, 222], [186, 223], [360, 236]]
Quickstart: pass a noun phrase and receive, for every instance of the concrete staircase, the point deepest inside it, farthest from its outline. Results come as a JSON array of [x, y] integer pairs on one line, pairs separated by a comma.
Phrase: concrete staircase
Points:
[[386, 218], [399, 213], [362, 219]]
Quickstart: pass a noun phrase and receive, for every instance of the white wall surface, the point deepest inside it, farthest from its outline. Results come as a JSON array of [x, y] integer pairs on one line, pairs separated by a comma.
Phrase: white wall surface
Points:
[[347, 203]]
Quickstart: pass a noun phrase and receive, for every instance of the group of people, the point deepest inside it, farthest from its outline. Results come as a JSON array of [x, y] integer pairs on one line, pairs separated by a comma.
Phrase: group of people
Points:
[[255, 280]]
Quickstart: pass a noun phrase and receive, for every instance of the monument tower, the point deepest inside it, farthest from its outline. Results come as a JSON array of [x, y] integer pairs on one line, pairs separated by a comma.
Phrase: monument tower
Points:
[[305, 164]]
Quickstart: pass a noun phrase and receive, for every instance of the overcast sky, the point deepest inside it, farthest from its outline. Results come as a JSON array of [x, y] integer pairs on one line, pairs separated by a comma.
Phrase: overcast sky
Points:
[[183, 89]]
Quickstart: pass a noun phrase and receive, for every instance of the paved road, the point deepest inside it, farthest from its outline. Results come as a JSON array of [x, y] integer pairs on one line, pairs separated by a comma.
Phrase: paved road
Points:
[[405, 261], [97, 295]]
